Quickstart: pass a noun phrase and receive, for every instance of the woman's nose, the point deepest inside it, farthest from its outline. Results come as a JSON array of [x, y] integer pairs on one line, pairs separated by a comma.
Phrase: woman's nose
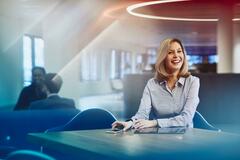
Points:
[[175, 53]]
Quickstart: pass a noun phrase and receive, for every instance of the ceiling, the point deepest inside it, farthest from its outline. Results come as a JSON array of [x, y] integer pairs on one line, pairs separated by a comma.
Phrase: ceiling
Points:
[[25, 8], [135, 30], [192, 8]]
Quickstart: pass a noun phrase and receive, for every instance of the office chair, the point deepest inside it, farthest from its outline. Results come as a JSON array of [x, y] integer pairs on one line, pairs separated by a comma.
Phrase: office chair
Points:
[[94, 118], [200, 122], [28, 155]]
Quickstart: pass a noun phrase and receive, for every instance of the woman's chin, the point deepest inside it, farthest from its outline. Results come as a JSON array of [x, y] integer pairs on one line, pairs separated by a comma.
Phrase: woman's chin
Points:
[[174, 69]]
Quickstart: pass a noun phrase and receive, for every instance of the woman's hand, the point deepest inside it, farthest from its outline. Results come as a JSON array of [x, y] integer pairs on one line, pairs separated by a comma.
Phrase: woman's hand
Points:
[[125, 125], [142, 123]]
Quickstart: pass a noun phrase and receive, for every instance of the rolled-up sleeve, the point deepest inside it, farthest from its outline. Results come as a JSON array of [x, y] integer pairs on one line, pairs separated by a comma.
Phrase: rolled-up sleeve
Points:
[[186, 115]]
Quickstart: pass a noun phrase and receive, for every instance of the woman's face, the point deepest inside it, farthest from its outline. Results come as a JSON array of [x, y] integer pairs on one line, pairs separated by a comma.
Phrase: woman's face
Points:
[[174, 59]]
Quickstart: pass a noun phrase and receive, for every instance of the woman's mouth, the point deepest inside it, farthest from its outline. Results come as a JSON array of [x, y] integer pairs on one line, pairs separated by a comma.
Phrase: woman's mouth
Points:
[[176, 61]]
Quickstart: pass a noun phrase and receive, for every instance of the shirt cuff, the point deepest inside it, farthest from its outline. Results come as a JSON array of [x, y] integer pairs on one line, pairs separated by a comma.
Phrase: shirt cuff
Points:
[[163, 122]]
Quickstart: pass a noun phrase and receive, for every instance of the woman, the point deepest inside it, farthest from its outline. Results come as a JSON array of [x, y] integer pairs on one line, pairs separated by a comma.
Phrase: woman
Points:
[[171, 96]]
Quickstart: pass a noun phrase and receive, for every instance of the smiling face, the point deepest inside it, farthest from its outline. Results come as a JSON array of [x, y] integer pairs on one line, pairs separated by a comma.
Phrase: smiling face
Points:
[[174, 59]]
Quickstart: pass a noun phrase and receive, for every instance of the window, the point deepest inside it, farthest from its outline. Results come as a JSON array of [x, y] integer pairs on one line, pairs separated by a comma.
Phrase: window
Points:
[[139, 63], [33, 55], [194, 59], [152, 54], [120, 64], [114, 64], [212, 59], [151, 59], [91, 66], [145, 61]]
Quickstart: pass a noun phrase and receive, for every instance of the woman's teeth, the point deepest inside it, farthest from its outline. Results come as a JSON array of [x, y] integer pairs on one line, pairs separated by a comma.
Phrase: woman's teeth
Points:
[[176, 61]]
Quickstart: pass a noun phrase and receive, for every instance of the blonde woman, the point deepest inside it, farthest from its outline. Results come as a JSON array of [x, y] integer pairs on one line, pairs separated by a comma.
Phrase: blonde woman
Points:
[[171, 96]]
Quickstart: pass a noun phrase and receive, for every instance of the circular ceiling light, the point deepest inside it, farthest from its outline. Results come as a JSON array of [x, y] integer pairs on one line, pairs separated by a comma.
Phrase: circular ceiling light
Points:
[[130, 10]]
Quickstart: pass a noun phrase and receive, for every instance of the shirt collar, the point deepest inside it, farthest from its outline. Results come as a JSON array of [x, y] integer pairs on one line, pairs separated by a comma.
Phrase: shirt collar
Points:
[[180, 81], [162, 81], [52, 95]]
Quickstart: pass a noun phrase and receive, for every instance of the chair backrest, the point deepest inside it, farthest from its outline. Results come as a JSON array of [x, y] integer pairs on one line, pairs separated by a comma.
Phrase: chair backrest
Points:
[[94, 118], [28, 155], [15, 126], [200, 122]]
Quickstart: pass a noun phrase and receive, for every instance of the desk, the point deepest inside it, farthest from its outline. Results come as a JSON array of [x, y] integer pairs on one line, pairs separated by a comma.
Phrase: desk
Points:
[[194, 144]]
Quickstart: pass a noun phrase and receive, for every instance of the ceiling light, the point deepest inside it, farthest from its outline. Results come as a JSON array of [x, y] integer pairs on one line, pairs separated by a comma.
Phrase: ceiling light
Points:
[[131, 9]]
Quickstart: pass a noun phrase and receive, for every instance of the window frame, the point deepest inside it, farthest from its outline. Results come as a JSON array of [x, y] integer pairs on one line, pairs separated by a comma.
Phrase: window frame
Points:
[[27, 67]]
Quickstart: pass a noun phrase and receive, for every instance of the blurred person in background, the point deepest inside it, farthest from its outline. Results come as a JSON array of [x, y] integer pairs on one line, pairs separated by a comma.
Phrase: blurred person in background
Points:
[[52, 86], [34, 91]]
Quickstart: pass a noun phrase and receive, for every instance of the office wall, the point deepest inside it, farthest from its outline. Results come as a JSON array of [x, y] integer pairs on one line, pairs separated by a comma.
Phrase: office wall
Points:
[[10, 60], [67, 32], [12, 29], [236, 48]]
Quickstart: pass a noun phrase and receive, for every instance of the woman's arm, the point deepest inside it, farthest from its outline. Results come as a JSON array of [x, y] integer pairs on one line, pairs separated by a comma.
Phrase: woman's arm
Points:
[[188, 111], [145, 104], [141, 117]]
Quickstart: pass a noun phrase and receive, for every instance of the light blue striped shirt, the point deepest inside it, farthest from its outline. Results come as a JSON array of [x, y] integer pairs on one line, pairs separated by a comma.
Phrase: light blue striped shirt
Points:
[[170, 108]]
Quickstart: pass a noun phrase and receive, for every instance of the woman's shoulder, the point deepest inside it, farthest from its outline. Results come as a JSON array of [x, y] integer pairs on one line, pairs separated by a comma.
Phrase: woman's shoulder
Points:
[[192, 78], [152, 81]]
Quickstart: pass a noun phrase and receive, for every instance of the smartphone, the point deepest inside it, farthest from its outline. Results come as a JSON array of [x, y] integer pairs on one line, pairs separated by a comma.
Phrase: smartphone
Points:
[[115, 130]]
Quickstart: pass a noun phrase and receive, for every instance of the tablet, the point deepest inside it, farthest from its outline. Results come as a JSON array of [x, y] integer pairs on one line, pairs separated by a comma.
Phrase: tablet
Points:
[[114, 132], [166, 130]]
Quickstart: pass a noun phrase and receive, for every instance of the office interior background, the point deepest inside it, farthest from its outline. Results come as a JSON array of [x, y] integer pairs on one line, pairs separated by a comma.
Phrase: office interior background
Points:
[[94, 44]]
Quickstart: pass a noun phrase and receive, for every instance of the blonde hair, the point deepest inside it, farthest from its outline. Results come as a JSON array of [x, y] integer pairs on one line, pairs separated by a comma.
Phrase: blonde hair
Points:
[[160, 66]]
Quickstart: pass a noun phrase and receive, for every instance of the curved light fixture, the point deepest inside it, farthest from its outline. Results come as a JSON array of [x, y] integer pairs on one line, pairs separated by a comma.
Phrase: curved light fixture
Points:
[[131, 9], [236, 19]]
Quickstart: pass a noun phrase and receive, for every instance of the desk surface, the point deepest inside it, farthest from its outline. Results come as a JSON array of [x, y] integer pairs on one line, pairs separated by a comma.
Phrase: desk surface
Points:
[[194, 144]]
